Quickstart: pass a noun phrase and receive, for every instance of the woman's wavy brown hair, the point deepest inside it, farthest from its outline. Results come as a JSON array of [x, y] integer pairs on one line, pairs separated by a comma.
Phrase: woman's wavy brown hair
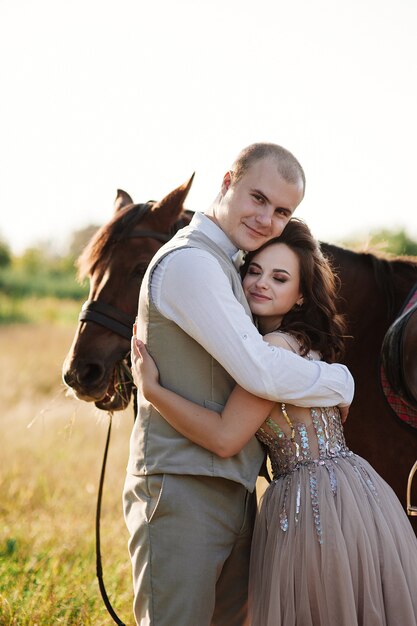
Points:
[[316, 323]]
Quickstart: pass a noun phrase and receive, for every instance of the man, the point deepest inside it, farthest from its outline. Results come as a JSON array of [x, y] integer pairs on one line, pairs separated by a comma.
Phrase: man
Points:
[[190, 513]]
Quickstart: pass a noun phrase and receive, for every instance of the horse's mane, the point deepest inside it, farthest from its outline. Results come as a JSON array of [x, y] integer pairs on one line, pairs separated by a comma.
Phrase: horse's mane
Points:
[[384, 268], [102, 242]]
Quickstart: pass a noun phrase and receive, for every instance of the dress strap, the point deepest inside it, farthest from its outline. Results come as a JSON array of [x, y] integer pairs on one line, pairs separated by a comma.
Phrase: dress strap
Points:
[[292, 341], [295, 345]]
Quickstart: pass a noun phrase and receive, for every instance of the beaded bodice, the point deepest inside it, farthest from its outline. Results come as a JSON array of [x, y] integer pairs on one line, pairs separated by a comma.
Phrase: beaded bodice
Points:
[[314, 445], [308, 443]]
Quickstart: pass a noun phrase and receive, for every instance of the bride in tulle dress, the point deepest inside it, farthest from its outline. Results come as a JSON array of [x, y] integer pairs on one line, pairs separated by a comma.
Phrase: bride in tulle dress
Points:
[[332, 545]]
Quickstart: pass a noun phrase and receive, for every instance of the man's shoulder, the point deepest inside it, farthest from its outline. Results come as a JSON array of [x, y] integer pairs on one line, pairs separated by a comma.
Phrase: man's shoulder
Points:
[[187, 255]]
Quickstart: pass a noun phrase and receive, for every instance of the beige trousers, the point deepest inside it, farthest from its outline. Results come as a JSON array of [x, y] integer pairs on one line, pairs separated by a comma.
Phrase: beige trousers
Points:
[[190, 547]]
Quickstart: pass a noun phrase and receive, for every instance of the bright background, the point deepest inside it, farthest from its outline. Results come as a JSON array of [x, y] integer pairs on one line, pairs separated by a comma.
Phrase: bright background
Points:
[[99, 95]]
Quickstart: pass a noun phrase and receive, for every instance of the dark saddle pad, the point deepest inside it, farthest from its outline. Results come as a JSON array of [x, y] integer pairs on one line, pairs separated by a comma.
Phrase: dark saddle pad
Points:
[[393, 379]]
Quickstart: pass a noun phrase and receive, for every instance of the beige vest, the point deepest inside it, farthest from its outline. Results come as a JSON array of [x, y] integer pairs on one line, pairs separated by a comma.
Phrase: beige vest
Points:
[[186, 368]]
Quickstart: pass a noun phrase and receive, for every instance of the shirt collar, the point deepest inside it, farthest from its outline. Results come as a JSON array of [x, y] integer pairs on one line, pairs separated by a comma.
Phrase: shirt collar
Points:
[[205, 225]]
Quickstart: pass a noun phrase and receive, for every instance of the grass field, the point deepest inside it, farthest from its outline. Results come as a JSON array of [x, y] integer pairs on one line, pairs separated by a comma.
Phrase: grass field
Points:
[[51, 451]]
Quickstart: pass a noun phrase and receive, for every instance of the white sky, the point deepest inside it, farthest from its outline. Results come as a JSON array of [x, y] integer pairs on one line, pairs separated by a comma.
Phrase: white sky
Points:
[[99, 95]]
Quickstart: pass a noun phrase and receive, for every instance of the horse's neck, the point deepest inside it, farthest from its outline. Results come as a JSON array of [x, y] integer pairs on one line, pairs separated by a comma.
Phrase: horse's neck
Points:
[[405, 280], [373, 291]]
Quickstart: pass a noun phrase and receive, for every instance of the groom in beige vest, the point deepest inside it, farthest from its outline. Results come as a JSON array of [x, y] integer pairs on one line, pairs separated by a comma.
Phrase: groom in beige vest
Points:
[[189, 513]]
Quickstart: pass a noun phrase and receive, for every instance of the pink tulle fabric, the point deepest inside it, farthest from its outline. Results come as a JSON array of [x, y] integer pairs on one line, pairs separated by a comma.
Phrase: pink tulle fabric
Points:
[[332, 545]]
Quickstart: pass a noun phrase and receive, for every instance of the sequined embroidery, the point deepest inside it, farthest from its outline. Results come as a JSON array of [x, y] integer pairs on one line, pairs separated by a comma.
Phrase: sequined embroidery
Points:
[[366, 481], [369, 482], [332, 477], [297, 500], [288, 454], [315, 501], [283, 517]]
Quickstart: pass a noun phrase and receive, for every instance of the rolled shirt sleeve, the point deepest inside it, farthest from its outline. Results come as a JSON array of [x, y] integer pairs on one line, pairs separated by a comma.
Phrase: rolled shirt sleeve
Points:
[[189, 287]]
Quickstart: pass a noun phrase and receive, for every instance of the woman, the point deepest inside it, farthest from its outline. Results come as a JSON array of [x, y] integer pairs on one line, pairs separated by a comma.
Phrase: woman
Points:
[[331, 544]]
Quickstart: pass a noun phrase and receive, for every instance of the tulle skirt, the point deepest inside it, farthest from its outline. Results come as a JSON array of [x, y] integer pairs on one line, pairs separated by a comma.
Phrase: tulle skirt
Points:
[[333, 549]]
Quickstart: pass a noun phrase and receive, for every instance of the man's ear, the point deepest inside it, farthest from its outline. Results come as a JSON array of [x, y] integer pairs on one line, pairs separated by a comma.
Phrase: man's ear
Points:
[[227, 181]]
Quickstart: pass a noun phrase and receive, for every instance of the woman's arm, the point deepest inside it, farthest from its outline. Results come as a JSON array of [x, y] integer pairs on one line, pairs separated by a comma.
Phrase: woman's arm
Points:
[[223, 433]]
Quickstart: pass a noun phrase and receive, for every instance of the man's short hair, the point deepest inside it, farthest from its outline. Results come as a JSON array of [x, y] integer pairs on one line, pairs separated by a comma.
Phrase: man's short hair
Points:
[[288, 166]]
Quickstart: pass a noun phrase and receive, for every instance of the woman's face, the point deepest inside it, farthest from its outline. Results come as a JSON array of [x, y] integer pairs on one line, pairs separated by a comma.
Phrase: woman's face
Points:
[[272, 285]]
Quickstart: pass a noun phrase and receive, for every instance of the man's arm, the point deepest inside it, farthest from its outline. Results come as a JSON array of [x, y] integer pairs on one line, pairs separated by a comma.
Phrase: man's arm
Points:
[[190, 288]]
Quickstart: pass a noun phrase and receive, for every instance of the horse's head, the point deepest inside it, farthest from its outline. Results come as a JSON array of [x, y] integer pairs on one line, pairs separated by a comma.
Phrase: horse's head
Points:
[[97, 365]]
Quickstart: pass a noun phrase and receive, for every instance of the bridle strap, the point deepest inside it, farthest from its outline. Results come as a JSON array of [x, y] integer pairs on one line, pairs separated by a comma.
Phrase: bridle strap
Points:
[[108, 316], [120, 323], [164, 237]]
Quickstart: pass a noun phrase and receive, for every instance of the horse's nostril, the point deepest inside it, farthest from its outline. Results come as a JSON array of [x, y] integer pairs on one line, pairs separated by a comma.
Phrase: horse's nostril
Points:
[[90, 373], [68, 377]]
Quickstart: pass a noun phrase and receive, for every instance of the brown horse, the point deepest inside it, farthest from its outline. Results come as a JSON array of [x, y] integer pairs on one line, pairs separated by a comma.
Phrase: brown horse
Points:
[[97, 367], [372, 293]]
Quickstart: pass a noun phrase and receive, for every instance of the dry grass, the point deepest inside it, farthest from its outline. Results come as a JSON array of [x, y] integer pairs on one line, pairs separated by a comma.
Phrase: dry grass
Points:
[[51, 450]]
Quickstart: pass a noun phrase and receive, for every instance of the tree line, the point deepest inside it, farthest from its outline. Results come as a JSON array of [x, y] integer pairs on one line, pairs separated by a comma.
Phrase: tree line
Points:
[[41, 273]]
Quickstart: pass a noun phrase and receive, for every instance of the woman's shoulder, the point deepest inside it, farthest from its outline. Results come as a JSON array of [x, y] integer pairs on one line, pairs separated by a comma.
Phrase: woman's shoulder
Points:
[[282, 339]]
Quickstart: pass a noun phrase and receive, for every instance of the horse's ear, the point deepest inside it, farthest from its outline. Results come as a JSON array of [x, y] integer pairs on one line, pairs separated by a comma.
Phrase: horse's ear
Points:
[[169, 208], [122, 200]]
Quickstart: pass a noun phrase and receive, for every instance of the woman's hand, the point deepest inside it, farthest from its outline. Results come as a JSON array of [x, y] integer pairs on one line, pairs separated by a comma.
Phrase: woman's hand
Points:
[[144, 371]]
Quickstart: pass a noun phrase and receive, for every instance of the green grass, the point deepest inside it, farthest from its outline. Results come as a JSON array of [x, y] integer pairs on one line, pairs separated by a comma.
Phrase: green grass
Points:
[[47, 556], [36, 310], [51, 451], [39, 596], [20, 283], [41, 295]]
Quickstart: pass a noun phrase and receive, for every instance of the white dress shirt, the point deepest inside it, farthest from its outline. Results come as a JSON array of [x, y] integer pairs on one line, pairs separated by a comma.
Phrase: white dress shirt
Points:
[[189, 287]]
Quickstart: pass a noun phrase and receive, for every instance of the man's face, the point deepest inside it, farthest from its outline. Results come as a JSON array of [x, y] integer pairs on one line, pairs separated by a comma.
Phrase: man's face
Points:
[[257, 207]]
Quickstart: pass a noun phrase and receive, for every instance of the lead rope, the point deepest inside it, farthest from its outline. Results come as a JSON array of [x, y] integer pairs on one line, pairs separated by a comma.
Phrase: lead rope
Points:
[[99, 567], [104, 320]]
